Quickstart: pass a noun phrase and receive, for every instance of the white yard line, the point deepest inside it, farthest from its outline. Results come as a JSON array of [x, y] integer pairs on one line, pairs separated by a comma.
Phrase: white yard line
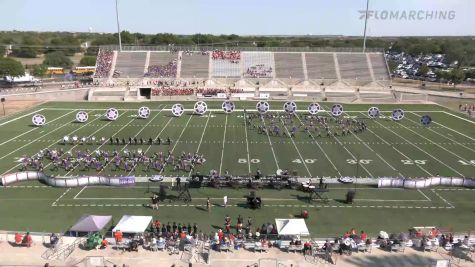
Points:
[[222, 149], [402, 154], [473, 139], [62, 195], [123, 147], [448, 113], [54, 130], [241, 110], [422, 193], [430, 140], [148, 148], [176, 142], [270, 143], [321, 149], [85, 124], [35, 128], [377, 154], [241, 198], [71, 149], [443, 199], [22, 116], [422, 150], [349, 152], [247, 144], [76, 196], [296, 148], [201, 139]]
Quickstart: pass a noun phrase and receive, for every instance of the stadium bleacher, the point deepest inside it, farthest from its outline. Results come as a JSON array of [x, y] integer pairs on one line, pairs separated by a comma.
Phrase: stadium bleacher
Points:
[[194, 65], [162, 64], [224, 69], [353, 66], [379, 67], [320, 66], [258, 64], [130, 64], [289, 66], [341, 74]]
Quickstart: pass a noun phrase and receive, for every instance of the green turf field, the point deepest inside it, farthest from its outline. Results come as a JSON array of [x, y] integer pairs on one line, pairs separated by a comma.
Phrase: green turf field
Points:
[[387, 148]]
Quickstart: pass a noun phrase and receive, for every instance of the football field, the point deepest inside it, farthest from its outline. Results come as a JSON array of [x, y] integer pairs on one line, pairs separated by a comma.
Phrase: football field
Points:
[[386, 148]]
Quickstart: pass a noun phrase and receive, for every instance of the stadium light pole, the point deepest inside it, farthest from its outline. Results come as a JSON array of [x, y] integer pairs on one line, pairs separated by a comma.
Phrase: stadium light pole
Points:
[[365, 24], [118, 26]]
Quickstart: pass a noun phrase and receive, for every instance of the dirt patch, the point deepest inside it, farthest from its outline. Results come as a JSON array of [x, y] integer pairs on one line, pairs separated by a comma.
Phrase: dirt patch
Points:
[[14, 106]]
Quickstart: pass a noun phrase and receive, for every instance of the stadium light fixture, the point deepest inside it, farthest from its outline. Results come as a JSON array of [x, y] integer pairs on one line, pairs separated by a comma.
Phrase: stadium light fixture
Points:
[[118, 26], [365, 24]]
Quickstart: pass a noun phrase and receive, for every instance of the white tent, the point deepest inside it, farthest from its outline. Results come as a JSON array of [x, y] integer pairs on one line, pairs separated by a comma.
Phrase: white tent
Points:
[[133, 224], [291, 227]]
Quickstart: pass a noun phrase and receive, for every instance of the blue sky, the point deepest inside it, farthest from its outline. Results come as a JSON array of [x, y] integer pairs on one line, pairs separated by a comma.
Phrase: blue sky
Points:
[[243, 17]]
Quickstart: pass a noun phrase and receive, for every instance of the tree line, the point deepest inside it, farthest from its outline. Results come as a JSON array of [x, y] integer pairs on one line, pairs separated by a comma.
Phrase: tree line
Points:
[[57, 46]]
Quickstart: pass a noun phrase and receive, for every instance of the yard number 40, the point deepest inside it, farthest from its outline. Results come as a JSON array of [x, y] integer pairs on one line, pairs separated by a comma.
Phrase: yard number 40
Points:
[[361, 161]]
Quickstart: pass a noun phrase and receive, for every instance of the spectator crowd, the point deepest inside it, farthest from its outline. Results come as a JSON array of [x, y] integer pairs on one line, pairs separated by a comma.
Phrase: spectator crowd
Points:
[[232, 56], [172, 91], [163, 71], [210, 91], [259, 71], [104, 63]]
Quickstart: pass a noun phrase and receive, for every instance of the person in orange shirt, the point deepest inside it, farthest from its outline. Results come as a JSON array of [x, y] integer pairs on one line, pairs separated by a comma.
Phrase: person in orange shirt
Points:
[[18, 238], [182, 235], [104, 243], [363, 236], [157, 224], [118, 236]]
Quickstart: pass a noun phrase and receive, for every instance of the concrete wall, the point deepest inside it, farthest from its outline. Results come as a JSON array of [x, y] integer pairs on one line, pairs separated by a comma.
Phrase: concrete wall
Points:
[[58, 95]]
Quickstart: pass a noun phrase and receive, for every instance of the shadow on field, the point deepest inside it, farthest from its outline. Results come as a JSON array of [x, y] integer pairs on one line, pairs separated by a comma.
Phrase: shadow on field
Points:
[[342, 201], [201, 208]]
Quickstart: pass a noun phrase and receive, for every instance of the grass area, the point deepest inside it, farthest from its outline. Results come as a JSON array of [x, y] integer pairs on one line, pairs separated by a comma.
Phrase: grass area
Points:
[[386, 148]]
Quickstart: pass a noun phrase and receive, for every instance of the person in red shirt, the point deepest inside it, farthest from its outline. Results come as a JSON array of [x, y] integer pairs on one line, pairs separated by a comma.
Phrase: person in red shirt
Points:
[[157, 224], [419, 233], [363, 236], [18, 238], [221, 234]]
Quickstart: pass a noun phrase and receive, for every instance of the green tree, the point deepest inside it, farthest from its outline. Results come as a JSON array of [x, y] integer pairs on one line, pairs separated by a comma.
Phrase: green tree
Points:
[[57, 59], [39, 70], [70, 45], [456, 76], [164, 39], [392, 65], [127, 38], [24, 52], [423, 70], [88, 61], [11, 67]]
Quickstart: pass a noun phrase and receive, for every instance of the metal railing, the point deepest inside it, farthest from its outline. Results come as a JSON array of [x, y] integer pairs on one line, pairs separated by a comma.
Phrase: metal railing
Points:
[[248, 48]]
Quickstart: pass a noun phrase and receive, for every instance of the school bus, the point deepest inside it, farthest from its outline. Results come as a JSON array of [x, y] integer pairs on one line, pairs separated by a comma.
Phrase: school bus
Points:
[[83, 70], [54, 70]]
